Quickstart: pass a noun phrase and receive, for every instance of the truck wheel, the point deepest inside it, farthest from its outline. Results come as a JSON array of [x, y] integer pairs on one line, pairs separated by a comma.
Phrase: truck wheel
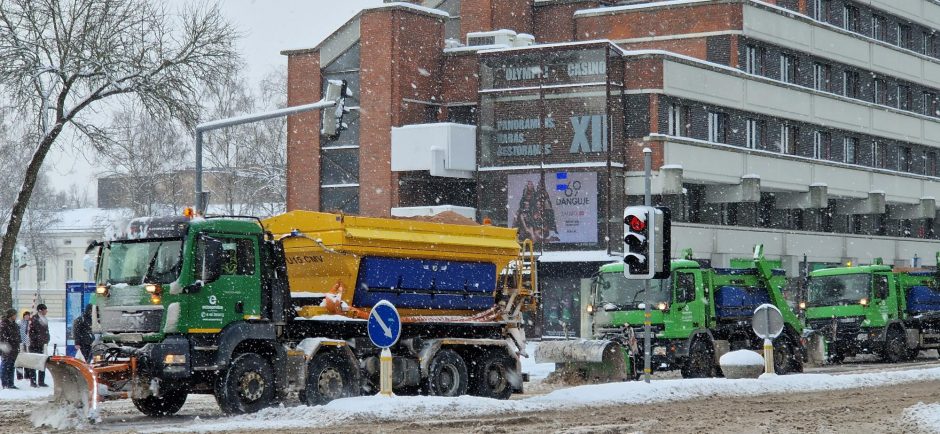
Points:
[[167, 404], [701, 361], [447, 374], [783, 355], [492, 376], [895, 348], [246, 386], [329, 377]]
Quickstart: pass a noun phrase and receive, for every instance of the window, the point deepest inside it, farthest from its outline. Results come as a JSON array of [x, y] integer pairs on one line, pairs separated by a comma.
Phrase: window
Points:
[[929, 104], [821, 10], [822, 76], [879, 153], [678, 120], [850, 18], [755, 133], [881, 91], [238, 255], [850, 150], [904, 35], [905, 163], [879, 27], [685, 287], [822, 145], [931, 164], [787, 68], [462, 114], [850, 84], [69, 270], [789, 139], [904, 97], [754, 60], [717, 127], [929, 46], [41, 271]]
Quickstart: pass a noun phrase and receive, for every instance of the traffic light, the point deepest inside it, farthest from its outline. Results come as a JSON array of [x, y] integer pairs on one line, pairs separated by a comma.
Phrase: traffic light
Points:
[[337, 91], [646, 242]]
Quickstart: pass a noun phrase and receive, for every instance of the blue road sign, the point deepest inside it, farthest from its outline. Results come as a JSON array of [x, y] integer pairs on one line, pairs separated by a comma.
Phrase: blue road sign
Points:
[[384, 324]]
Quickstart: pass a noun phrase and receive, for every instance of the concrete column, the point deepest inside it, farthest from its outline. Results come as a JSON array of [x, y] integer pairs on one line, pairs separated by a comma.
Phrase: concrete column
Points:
[[927, 208], [874, 204], [747, 191], [816, 197]]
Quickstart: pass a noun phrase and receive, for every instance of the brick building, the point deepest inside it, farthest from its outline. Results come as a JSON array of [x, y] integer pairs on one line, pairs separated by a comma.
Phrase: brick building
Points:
[[810, 126]]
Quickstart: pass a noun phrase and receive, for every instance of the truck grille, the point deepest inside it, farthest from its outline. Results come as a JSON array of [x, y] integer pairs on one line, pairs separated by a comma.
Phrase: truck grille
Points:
[[124, 319]]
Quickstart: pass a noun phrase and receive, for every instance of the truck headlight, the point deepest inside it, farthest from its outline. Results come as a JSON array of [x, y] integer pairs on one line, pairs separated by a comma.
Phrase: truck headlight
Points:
[[174, 359], [659, 351], [101, 290], [590, 308], [863, 302]]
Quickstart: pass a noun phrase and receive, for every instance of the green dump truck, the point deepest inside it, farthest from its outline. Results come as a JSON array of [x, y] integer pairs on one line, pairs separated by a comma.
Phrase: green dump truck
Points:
[[873, 309], [698, 315]]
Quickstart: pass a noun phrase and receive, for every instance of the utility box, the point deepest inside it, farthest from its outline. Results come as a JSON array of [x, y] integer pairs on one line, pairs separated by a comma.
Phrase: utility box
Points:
[[443, 149]]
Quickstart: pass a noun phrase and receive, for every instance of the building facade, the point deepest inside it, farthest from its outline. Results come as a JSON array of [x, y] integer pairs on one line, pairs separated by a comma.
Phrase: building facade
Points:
[[809, 126]]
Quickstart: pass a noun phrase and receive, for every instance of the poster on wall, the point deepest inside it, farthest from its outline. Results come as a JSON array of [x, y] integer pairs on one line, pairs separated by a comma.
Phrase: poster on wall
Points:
[[559, 208]]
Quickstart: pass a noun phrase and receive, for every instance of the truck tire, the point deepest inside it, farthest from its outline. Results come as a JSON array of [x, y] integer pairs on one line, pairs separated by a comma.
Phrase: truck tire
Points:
[[167, 404], [246, 386], [447, 374], [701, 360], [329, 377], [895, 349], [784, 355], [492, 375]]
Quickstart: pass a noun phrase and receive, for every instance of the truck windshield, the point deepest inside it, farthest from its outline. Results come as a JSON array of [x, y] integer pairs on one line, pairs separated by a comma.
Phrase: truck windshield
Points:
[[616, 292], [838, 290], [140, 261]]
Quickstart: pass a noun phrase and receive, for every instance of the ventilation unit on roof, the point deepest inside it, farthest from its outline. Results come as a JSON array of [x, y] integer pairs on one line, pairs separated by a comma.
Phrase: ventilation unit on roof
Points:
[[504, 37]]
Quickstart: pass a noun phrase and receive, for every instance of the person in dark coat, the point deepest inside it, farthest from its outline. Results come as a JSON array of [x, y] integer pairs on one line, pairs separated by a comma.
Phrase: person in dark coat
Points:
[[9, 348], [38, 339], [81, 331]]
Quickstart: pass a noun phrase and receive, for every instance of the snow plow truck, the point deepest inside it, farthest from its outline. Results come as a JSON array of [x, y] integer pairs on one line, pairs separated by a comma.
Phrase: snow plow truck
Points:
[[873, 309], [698, 315], [251, 310]]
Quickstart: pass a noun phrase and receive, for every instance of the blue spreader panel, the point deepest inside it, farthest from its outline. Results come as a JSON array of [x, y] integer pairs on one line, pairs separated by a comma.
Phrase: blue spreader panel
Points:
[[922, 299], [739, 301], [425, 284]]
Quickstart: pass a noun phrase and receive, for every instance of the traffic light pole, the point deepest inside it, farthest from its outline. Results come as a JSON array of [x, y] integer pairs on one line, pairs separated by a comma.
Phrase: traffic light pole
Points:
[[647, 311]]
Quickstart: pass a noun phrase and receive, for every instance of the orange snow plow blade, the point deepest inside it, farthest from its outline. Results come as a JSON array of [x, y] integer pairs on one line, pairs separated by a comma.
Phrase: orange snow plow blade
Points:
[[79, 385]]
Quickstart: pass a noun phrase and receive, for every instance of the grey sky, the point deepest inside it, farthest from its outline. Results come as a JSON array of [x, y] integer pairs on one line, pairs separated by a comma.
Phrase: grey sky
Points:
[[269, 26]]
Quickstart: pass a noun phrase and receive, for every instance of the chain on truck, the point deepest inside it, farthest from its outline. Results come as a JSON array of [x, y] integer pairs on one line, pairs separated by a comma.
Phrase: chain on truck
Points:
[[251, 310]]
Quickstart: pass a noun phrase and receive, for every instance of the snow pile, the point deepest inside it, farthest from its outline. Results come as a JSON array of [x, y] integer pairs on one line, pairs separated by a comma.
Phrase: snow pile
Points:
[[410, 408], [741, 358], [922, 417], [57, 417]]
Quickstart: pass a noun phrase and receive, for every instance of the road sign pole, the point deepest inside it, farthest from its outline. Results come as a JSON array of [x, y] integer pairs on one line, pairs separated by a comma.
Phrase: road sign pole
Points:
[[647, 311], [768, 357], [385, 372]]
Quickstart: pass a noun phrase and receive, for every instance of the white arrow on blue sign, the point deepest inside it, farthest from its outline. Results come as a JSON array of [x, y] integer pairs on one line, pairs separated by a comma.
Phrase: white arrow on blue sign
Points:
[[384, 324]]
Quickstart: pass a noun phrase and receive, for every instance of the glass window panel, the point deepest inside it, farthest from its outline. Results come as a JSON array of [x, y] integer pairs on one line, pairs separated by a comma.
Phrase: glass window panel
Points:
[[345, 199], [339, 166]]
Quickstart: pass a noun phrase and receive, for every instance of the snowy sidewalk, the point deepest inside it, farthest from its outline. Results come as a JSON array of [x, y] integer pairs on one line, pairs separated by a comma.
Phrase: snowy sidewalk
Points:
[[373, 408]]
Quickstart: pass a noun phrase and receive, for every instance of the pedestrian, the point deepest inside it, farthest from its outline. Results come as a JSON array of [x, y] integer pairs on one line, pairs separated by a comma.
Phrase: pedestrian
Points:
[[9, 348], [38, 338], [24, 339], [81, 331]]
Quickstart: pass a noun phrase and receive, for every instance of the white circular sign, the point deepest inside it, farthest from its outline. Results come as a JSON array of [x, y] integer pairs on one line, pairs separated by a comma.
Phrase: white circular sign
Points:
[[767, 321]]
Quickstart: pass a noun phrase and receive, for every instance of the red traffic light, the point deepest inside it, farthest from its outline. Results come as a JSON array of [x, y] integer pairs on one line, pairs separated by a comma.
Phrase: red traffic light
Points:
[[636, 224]]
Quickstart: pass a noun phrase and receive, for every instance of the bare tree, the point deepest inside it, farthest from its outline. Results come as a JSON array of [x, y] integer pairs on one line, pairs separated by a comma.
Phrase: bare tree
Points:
[[142, 159], [248, 162], [68, 56], [41, 214]]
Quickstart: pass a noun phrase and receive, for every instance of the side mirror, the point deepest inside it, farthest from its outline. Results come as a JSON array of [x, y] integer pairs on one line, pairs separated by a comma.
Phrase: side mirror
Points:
[[92, 246], [212, 260]]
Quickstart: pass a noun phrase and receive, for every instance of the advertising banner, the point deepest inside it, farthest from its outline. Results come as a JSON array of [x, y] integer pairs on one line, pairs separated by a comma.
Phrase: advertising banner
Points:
[[559, 208]]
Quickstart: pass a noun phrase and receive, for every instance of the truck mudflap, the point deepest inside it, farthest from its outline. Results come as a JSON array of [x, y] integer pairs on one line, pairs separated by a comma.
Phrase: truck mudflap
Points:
[[580, 361], [78, 387]]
